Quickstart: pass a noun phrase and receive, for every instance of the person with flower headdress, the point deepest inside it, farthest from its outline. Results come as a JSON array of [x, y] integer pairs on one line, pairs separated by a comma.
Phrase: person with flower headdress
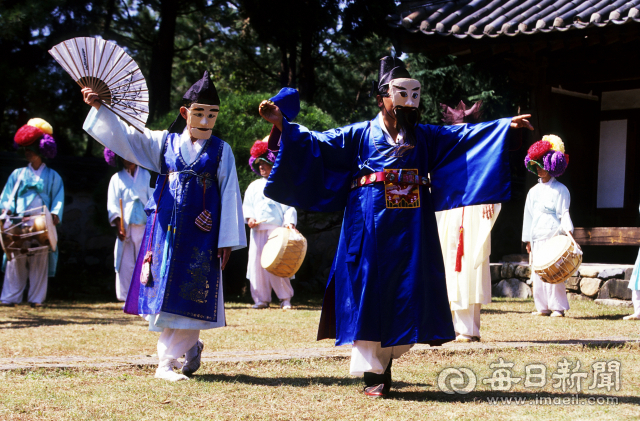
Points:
[[263, 215], [387, 290], [546, 214], [26, 192], [128, 193], [465, 238], [194, 222]]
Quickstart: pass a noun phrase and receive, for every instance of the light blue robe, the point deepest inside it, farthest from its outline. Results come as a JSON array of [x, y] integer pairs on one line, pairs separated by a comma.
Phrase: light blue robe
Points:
[[134, 192], [51, 191]]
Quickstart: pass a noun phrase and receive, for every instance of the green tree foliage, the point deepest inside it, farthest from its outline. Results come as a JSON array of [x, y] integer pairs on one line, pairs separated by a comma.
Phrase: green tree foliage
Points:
[[240, 125]]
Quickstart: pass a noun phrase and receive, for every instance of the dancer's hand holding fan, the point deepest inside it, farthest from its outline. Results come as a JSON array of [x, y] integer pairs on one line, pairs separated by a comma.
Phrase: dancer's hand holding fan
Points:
[[107, 74]]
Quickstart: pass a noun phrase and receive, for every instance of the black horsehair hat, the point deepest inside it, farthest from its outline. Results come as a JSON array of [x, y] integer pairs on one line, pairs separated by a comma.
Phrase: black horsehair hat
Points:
[[390, 68], [201, 92]]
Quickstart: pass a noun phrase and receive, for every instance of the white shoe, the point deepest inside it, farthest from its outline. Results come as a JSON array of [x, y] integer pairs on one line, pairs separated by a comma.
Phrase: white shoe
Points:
[[539, 313], [631, 317], [557, 313], [165, 371], [285, 305], [260, 305], [192, 359]]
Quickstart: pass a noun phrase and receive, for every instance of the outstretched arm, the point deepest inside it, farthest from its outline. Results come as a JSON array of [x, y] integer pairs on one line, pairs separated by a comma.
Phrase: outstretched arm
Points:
[[144, 149]]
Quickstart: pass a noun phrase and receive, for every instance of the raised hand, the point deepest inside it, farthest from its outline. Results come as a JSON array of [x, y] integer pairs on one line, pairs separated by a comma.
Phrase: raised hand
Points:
[[91, 98], [521, 122], [270, 112]]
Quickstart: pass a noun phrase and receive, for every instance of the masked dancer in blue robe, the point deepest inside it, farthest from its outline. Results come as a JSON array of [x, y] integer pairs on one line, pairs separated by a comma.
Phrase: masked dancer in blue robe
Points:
[[387, 288], [27, 190], [194, 222]]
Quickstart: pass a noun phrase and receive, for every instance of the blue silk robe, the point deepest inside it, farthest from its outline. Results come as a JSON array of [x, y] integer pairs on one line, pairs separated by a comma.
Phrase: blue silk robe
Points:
[[185, 268], [49, 188], [387, 281]]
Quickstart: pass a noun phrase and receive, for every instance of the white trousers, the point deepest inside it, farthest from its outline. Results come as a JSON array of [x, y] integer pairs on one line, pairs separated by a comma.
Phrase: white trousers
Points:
[[174, 343], [18, 270], [128, 262], [261, 281], [635, 299], [466, 322], [548, 297], [370, 357]]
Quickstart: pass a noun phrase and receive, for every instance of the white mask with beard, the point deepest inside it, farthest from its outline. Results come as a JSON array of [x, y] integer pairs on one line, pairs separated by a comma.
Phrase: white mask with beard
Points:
[[405, 93]]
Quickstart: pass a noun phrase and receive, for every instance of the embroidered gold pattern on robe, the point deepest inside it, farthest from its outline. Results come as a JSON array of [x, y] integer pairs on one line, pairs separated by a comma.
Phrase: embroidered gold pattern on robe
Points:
[[197, 289], [401, 195]]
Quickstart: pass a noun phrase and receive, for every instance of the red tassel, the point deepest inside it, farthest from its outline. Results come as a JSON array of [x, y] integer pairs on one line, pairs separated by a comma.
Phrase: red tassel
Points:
[[460, 251]]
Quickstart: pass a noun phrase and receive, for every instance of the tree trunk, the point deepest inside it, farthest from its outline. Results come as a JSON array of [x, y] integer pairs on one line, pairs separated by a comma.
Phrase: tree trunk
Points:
[[307, 71], [162, 53], [293, 62], [284, 65]]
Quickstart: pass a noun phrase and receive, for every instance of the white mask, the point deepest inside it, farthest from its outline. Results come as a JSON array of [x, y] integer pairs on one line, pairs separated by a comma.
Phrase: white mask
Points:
[[200, 120], [405, 92]]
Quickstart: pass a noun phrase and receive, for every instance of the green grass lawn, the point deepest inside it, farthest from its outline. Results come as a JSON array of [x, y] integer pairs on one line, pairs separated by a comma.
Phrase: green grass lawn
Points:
[[316, 389], [308, 388]]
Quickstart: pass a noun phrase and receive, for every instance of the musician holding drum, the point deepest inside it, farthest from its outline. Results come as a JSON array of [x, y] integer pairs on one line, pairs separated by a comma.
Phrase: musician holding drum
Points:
[[32, 202], [546, 214], [263, 215]]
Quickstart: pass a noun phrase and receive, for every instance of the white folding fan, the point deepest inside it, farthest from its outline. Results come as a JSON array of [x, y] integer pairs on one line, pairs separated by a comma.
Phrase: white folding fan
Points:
[[111, 73]]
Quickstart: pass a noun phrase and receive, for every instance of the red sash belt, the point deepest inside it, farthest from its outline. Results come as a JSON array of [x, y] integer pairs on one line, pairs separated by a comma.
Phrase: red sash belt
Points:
[[390, 178]]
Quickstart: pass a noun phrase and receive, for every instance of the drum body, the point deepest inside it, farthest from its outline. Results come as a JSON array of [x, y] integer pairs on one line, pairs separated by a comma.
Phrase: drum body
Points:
[[284, 252], [558, 261], [30, 235]]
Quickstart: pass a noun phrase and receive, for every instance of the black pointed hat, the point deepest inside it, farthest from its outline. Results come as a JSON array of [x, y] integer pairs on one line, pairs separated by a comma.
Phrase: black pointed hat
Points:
[[391, 68], [202, 92]]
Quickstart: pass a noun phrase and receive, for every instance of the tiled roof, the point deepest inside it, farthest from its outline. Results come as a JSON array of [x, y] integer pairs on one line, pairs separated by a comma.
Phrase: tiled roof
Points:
[[494, 18]]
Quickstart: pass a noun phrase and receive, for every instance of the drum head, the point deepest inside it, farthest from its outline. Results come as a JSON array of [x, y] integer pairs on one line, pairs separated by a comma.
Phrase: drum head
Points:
[[274, 248], [553, 249], [51, 230]]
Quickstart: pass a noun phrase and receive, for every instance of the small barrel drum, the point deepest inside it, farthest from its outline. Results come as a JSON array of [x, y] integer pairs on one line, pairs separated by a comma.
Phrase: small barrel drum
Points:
[[284, 252], [558, 260], [28, 235]]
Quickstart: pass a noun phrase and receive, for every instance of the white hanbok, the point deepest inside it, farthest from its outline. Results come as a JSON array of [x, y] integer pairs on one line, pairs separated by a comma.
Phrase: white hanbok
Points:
[[146, 150], [471, 287], [134, 191], [546, 214], [271, 215]]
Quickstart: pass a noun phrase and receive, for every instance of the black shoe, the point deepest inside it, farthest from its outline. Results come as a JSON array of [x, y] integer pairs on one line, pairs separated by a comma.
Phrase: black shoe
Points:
[[36, 305], [377, 391], [7, 305], [378, 385]]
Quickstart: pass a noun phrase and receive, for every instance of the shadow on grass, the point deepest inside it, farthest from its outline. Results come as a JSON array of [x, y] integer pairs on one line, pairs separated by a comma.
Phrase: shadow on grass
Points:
[[496, 311], [397, 392], [295, 381], [42, 318], [515, 399], [590, 343], [602, 317]]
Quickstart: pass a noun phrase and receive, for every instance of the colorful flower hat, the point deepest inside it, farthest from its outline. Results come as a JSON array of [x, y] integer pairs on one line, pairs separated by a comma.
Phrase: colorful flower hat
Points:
[[111, 157], [37, 136], [260, 151], [549, 155]]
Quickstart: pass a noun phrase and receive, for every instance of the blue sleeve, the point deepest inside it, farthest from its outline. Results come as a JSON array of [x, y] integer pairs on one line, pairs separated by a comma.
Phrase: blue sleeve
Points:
[[469, 164], [57, 196], [313, 170], [7, 202]]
